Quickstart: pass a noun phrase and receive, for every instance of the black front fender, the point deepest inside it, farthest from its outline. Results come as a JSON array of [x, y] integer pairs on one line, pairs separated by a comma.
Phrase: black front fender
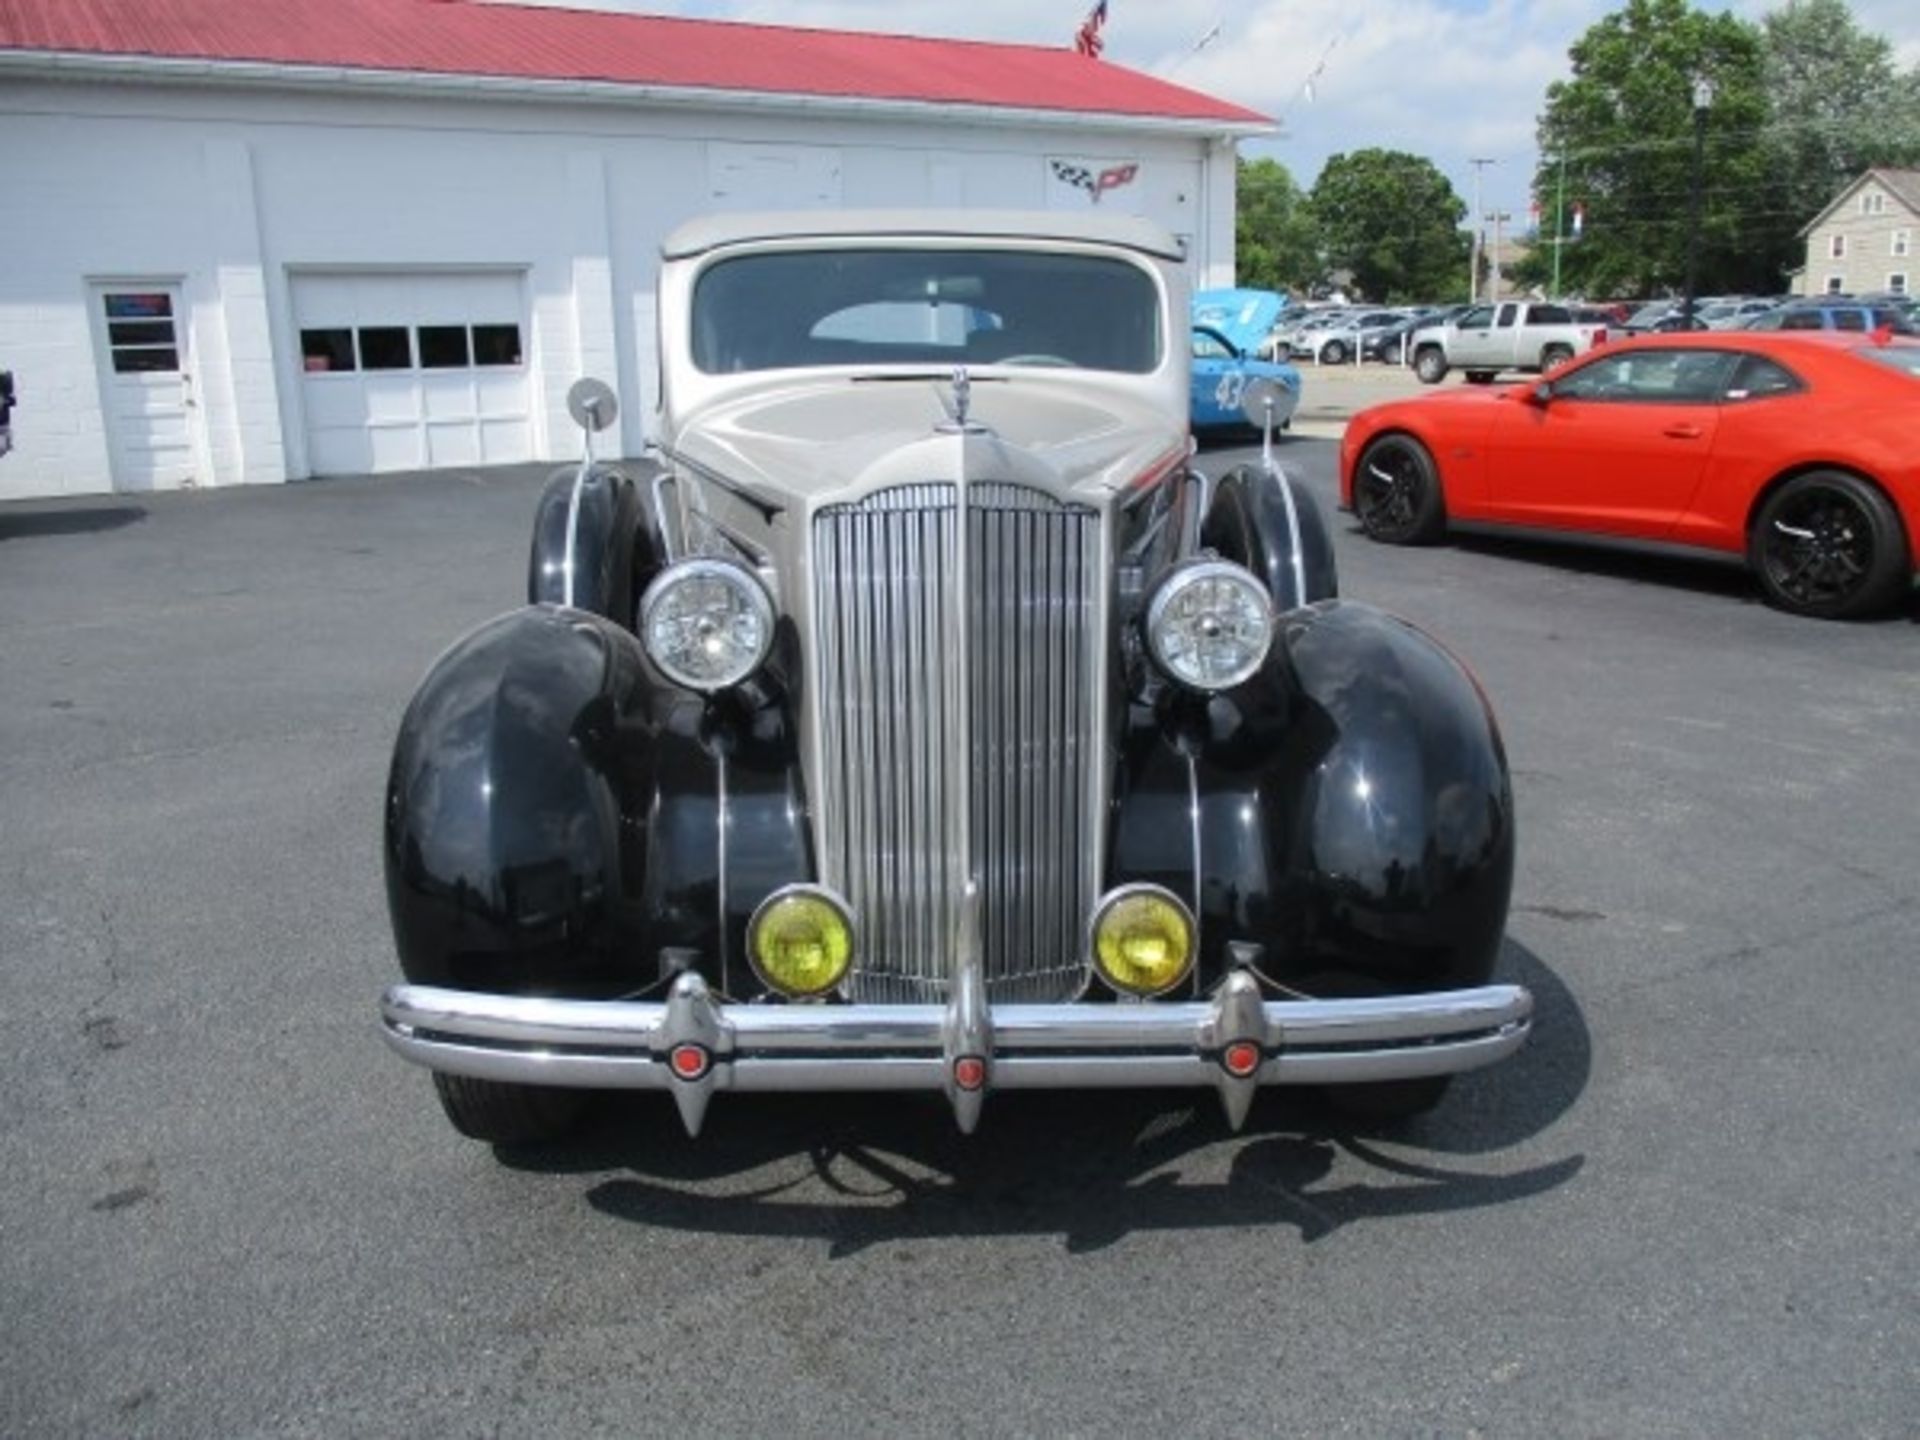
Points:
[[558, 816], [1347, 810]]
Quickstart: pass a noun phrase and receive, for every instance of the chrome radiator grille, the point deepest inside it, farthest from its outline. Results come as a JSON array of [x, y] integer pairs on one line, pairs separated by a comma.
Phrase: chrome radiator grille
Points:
[[895, 704]]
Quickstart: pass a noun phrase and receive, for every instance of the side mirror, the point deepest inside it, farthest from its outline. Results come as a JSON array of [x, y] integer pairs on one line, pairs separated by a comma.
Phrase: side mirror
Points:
[[1541, 394], [593, 407]]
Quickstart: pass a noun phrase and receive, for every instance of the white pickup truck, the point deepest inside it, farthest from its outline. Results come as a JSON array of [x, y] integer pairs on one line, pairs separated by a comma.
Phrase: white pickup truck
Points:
[[1514, 335]]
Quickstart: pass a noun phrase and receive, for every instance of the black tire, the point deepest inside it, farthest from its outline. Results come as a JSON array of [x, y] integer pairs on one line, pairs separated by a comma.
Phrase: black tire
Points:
[[1379, 1102], [1555, 356], [1480, 377], [1334, 353], [1430, 364], [501, 1113], [1396, 492], [1385, 1101], [1829, 545]]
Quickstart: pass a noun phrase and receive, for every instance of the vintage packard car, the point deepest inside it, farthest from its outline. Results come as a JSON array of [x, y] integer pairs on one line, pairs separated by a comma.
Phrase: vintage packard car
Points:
[[919, 717]]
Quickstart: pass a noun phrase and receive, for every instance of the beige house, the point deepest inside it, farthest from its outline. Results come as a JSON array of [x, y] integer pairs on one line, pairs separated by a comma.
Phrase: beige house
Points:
[[1863, 243]]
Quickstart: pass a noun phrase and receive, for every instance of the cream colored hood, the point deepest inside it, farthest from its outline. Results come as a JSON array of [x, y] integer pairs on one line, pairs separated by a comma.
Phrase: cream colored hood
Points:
[[812, 441]]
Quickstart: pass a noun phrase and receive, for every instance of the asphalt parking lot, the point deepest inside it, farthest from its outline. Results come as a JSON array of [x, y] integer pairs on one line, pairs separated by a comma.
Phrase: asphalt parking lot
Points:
[[1686, 1209]]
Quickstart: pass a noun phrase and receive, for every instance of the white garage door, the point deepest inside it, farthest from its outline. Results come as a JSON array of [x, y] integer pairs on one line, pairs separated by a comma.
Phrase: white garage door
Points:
[[406, 371]]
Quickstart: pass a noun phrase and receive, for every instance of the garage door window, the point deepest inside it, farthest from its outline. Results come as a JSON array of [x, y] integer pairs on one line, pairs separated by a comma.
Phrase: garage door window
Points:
[[385, 347], [496, 344], [393, 347], [443, 347], [325, 350]]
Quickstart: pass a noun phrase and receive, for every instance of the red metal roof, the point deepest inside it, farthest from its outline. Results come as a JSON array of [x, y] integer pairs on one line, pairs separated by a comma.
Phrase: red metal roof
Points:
[[457, 37]]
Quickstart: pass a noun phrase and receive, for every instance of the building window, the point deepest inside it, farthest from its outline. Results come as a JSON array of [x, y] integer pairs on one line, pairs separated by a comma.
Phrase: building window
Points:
[[1872, 202], [1897, 282], [1836, 247], [1836, 285], [1902, 243]]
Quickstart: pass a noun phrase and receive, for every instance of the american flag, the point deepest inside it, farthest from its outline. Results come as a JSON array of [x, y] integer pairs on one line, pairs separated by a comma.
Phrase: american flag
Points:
[[1087, 38]]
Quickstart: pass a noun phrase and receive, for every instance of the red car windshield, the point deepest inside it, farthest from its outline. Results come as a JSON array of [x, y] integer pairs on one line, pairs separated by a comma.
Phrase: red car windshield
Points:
[[1904, 358]]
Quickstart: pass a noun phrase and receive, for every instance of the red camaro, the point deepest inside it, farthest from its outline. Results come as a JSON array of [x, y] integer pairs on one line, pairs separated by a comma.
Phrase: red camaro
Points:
[[1800, 451]]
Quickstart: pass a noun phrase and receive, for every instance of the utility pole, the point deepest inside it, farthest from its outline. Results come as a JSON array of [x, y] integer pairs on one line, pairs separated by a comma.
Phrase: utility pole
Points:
[[1559, 223], [1702, 102], [1496, 218], [1473, 275]]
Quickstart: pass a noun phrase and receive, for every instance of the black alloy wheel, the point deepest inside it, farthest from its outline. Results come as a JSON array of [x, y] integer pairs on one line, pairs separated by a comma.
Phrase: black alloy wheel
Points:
[[1430, 365], [1829, 545], [1396, 492]]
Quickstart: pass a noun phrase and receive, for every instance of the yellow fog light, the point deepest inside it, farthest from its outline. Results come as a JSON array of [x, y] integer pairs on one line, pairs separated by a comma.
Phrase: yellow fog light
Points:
[[1143, 939], [800, 940]]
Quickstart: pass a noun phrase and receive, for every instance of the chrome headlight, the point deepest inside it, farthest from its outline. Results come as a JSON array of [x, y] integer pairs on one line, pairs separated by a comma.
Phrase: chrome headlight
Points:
[[706, 623], [1209, 625]]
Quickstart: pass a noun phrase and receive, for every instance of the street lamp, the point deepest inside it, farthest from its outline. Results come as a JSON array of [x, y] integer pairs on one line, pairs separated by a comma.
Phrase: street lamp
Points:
[[1702, 102]]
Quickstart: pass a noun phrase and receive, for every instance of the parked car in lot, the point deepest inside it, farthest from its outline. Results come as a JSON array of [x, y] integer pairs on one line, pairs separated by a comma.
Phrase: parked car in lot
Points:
[[1393, 343], [1730, 314], [1644, 320], [1336, 344], [1856, 316], [926, 722], [1228, 327], [1793, 450], [1513, 335]]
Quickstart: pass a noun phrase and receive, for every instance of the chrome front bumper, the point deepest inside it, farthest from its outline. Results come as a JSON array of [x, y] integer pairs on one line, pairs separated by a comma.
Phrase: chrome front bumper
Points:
[[691, 1045]]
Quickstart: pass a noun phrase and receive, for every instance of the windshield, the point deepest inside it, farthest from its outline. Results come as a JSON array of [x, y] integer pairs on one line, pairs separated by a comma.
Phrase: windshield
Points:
[[925, 307], [1904, 358]]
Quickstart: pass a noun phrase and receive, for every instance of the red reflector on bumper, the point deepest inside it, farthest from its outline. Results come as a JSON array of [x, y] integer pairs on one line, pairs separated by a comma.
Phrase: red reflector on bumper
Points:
[[689, 1061], [1240, 1059], [969, 1072]]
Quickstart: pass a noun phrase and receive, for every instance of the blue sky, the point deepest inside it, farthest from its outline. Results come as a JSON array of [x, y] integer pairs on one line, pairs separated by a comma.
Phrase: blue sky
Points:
[[1448, 79]]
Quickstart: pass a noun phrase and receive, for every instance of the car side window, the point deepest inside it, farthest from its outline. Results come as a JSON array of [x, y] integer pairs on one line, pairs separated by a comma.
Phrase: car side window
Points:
[[1210, 347], [1767, 320], [1801, 320], [1479, 318], [1649, 377], [1505, 320], [1757, 378], [1551, 315], [1849, 320]]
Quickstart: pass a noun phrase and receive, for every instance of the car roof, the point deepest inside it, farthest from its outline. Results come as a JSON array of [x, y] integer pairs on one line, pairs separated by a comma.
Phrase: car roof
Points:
[[1782, 344], [713, 231]]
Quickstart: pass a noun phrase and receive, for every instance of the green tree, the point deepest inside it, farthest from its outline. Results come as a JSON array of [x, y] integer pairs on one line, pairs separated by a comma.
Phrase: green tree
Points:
[[1393, 221], [1839, 106], [1274, 239], [1621, 133]]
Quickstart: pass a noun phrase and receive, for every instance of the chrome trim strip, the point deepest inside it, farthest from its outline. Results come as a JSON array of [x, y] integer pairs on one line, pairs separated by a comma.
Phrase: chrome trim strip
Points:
[[573, 523], [624, 1044], [1293, 536]]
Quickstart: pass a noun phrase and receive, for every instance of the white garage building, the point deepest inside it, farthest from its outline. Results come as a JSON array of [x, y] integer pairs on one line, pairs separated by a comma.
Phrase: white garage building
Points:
[[246, 243]]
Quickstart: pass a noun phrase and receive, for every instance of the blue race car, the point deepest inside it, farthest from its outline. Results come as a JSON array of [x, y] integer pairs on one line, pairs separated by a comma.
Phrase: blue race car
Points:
[[1228, 328]]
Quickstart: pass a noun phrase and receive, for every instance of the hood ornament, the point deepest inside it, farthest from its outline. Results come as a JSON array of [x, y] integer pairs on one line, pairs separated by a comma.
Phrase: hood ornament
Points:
[[957, 403]]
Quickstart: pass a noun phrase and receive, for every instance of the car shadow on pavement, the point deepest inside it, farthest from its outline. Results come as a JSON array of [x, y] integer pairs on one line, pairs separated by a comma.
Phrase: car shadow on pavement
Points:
[[1640, 563], [87, 520], [1092, 1167]]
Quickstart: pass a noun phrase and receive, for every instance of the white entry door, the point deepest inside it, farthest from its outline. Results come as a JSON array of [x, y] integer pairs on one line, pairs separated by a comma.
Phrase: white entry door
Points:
[[146, 386]]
